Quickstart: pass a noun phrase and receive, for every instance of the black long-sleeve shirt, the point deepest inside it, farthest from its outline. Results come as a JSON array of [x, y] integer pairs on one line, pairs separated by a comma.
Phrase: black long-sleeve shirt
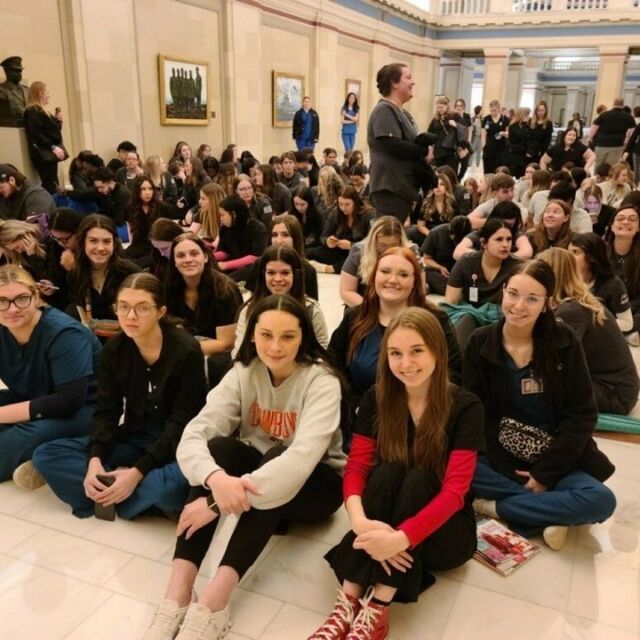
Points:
[[170, 392]]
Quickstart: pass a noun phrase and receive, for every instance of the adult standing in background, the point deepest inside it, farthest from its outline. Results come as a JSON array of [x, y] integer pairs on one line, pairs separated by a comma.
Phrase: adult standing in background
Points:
[[494, 138], [541, 132], [613, 128], [391, 134], [465, 149], [306, 126], [349, 116], [44, 136], [519, 130]]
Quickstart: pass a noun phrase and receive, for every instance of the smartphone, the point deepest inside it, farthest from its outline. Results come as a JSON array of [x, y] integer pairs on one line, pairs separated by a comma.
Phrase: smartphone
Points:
[[102, 512]]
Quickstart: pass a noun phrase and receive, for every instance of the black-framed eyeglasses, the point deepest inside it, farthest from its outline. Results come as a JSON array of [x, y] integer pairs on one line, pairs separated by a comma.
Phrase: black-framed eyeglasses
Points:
[[62, 241], [141, 310], [19, 302]]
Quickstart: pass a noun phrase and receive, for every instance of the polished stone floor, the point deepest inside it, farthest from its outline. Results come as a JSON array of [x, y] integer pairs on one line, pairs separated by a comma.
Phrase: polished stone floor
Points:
[[65, 578]]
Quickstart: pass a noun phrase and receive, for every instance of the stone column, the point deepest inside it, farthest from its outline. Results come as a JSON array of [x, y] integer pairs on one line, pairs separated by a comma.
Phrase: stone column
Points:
[[243, 100], [425, 72], [326, 94], [571, 105], [496, 65], [611, 74], [467, 66], [513, 90]]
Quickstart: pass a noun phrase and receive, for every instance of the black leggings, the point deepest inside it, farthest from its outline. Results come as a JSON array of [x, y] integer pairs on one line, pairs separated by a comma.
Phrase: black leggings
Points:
[[394, 494], [320, 496], [48, 173]]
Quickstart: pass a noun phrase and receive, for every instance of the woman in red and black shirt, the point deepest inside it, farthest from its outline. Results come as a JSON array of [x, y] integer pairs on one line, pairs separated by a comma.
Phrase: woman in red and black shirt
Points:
[[407, 479]]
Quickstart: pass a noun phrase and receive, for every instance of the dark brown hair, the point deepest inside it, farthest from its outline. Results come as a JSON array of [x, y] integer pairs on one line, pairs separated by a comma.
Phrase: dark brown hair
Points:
[[430, 441]]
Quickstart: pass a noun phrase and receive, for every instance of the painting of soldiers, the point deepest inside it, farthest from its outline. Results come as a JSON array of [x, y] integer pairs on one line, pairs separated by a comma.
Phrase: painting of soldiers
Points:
[[184, 91]]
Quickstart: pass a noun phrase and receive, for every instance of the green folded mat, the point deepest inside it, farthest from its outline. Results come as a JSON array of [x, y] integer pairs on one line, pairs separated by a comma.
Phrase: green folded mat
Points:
[[621, 424]]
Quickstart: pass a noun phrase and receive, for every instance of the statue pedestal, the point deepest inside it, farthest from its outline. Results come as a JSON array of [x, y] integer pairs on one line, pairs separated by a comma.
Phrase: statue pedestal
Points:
[[14, 150]]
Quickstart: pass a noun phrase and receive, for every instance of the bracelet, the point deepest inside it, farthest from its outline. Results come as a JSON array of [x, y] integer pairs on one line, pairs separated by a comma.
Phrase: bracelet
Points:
[[211, 504]]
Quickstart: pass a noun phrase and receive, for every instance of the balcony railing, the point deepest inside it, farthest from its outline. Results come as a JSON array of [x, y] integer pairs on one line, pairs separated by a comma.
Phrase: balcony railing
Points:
[[465, 7], [485, 7], [572, 65]]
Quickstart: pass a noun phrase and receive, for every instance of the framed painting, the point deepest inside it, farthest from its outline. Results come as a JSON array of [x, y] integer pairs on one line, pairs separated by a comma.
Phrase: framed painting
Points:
[[184, 91], [288, 91], [352, 86]]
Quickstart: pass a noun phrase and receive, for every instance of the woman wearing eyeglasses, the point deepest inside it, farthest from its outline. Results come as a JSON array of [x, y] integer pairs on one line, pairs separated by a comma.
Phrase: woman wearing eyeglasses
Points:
[[156, 372], [48, 363], [60, 247], [542, 471]]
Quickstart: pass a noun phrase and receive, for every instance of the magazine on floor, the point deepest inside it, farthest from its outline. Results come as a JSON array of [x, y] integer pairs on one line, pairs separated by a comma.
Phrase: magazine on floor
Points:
[[500, 548]]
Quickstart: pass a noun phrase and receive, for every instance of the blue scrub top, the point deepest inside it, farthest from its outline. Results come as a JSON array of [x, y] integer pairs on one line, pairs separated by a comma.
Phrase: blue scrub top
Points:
[[59, 350]]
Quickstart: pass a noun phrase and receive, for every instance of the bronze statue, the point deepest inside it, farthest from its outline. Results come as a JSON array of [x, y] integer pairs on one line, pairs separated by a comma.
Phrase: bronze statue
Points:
[[13, 95]]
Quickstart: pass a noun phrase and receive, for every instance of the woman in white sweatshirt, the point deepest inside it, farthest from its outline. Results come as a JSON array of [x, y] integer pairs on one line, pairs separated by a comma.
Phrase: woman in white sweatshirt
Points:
[[267, 446]]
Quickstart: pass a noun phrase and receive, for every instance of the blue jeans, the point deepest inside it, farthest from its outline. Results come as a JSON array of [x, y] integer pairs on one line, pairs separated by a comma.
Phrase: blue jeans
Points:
[[301, 143], [18, 441], [63, 463], [349, 141], [577, 499]]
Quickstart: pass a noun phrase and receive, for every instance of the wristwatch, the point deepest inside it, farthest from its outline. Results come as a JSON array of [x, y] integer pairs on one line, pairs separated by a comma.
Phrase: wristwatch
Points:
[[211, 504]]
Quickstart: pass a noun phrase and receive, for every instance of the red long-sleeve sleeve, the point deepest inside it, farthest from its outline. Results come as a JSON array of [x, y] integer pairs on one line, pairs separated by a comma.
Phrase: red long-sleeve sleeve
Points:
[[358, 466], [455, 485], [238, 263]]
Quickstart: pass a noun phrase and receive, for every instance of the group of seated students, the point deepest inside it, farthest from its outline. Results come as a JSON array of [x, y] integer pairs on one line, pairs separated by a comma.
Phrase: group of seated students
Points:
[[139, 381]]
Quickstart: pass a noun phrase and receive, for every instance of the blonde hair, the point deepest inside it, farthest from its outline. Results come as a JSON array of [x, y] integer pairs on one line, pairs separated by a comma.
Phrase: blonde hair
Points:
[[14, 273], [35, 94], [12, 230], [209, 220], [521, 115], [384, 226], [487, 194], [153, 166], [330, 186], [569, 284]]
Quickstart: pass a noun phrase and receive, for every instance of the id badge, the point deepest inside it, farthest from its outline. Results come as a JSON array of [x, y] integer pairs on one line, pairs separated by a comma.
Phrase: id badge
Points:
[[531, 386], [473, 289]]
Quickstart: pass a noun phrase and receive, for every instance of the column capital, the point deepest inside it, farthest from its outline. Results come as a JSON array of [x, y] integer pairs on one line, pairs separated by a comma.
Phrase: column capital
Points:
[[614, 51], [496, 53]]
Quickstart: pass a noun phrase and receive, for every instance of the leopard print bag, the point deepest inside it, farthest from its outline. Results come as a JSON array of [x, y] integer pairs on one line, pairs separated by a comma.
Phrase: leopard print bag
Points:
[[523, 440]]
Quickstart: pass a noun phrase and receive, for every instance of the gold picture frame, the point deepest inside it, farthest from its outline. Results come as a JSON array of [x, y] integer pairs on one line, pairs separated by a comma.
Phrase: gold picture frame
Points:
[[185, 91], [352, 86], [287, 91]]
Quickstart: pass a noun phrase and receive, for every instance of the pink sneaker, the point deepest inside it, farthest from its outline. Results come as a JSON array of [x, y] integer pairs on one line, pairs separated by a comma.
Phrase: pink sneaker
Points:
[[337, 625]]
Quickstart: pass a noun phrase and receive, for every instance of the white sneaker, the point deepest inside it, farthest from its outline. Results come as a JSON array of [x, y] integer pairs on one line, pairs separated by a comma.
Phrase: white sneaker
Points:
[[201, 623], [26, 476], [485, 507], [166, 622], [555, 536]]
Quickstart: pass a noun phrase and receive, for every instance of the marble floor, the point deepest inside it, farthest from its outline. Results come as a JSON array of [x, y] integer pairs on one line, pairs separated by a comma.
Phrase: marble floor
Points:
[[65, 578]]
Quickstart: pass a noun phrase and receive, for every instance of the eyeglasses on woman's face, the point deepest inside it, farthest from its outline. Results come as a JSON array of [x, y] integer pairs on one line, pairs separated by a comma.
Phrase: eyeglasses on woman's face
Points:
[[20, 302], [141, 310]]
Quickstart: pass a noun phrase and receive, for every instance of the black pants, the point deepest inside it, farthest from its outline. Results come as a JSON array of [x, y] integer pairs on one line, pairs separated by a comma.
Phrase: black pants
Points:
[[436, 282], [394, 494], [334, 257], [491, 160], [517, 163], [320, 496], [387, 203], [618, 400], [48, 173]]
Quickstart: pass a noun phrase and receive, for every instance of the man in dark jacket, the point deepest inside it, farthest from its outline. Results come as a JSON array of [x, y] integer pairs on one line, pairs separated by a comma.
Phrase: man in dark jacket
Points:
[[115, 197], [306, 126], [19, 197]]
